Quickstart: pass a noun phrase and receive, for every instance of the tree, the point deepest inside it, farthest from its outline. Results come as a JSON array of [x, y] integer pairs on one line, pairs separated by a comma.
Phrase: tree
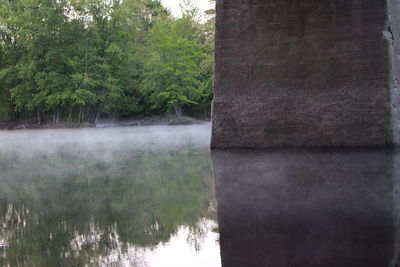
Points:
[[11, 50], [172, 69], [79, 59]]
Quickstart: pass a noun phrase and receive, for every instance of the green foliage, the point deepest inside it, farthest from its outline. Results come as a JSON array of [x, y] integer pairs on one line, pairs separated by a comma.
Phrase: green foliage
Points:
[[95, 56], [172, 69]]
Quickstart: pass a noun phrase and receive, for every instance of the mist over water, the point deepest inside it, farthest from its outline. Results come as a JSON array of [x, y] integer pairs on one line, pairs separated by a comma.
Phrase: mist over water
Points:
[[101, 140], [137, 196]]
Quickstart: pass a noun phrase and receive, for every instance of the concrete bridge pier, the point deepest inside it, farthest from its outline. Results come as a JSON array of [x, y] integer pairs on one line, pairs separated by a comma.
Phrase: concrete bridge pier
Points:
[[306, 73]]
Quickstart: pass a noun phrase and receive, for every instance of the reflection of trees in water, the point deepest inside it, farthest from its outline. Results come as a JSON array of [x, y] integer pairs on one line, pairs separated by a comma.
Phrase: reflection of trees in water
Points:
[[73, 207], [198, 233]]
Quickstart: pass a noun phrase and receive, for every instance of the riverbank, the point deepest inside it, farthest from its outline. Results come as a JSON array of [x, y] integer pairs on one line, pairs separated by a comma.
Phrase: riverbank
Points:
[[140, 120]]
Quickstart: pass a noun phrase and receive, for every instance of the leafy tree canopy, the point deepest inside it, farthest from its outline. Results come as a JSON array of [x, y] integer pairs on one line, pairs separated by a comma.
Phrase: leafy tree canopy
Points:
[[77, 60]]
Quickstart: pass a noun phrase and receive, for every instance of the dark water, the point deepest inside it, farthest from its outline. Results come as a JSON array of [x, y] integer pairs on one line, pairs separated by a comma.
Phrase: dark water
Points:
[[308, 208], [147, 197]]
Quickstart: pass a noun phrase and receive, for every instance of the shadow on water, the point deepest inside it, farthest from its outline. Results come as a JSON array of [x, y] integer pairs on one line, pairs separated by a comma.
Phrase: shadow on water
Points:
[[308, 208]]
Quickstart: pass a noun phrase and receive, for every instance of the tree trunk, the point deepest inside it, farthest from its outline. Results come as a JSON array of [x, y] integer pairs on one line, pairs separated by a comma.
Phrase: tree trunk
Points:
[[69, 120], [98, 113], [57, 116], [39, 116], [80, 115], [92, 113], [178, 111], [83, 114]]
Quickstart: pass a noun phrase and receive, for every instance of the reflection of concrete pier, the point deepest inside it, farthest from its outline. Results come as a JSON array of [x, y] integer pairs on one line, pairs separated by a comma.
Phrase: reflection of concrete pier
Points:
[[307, 208], [396, 207]]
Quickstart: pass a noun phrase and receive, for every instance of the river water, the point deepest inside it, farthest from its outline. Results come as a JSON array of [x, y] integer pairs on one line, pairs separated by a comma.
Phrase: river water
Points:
[[156, 196]]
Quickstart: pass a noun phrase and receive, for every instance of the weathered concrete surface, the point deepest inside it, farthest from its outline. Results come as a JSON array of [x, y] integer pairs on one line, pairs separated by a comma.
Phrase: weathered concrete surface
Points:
[[293, 73]]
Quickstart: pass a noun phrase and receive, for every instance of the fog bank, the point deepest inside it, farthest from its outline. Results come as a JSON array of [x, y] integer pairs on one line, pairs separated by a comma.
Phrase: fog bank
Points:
[[102, 140]]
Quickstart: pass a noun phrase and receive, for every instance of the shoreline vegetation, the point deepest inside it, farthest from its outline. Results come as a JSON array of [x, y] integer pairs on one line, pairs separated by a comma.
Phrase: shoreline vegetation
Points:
[[132, 121], [70, 63]]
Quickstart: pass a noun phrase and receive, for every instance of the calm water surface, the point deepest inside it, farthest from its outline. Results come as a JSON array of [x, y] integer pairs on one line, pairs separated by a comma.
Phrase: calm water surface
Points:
[[156, 196], [120, 197], [308, 208]]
